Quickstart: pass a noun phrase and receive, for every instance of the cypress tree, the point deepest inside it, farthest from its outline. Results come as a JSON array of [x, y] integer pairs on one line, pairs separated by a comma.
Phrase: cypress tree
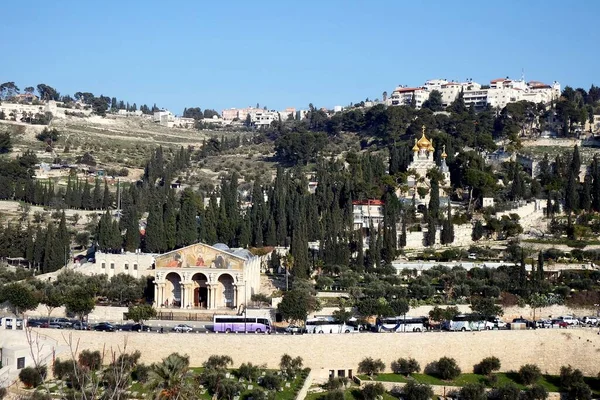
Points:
[[30, 244], [132, 234], [210, 218], [430, 234], [106, 196], [51, 257], [271, 236], [402, 242], [585, 196], [360, 256], [478, 231], [86, 197], [97, 195], [595, 184], [187, 232], [244, 235], [39, 246], [69, 193], [447, 235], [571, 193], [63, 239], [170, 222], [434, 199], [394, 167], [155, 234], [540, 267]]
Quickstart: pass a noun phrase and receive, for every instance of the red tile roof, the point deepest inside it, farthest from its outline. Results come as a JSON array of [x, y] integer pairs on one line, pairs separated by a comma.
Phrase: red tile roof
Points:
[[368, 203]]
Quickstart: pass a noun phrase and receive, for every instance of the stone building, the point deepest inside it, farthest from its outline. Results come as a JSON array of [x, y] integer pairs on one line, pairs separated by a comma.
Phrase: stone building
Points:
[[207, 277]]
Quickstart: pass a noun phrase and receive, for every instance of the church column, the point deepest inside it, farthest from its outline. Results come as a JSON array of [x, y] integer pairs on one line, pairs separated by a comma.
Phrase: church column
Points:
[[156, 303], [215, 297], [208, 296], [182, 296], [235, 296]]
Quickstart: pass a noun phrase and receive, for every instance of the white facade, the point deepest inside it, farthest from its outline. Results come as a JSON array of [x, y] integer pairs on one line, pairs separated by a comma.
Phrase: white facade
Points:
[[500, 93], [134, 264], [168, 119], [367, 213]]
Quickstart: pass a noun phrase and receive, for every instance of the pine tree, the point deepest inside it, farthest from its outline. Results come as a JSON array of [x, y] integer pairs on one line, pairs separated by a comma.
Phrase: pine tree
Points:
[[585, 196], [360, 256], [30, 244], [39, 246]]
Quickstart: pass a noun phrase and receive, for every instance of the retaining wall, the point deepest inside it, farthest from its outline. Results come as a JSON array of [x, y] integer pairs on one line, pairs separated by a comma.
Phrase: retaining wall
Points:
[[548, 348]]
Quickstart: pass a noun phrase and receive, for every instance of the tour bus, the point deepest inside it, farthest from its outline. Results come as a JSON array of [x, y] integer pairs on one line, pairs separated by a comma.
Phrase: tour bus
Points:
[[327, 325], [239, 323], [465, 322], [402, 324]]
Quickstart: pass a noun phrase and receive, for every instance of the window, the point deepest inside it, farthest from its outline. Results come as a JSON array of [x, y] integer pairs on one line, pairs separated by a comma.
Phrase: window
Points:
[[135, 267], [103, 265], [20, 362], [126, 266], [112, 265]]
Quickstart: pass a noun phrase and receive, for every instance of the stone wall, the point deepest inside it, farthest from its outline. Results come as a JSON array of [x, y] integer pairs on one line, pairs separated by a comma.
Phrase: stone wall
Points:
[[548, 348]]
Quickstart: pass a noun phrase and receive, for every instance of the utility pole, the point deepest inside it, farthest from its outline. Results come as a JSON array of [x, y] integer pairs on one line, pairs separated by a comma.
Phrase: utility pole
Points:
[[245, 307]]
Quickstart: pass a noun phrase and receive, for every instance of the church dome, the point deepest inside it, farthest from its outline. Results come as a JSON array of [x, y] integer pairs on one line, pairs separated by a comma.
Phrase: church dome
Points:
[[415, 147], [444, 155], [424, 143], [430, 148]]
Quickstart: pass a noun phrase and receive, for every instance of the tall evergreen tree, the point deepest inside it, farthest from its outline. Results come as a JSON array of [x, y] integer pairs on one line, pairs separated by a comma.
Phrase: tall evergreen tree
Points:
[[155, 234], [132, 227], [434, 198], [170, 221], [106, 200], [86, 197], [430, 234], [187, 232], [97, 195]]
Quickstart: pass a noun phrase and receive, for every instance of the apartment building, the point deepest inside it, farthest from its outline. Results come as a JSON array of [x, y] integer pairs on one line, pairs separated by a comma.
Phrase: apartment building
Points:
[[403, 95]]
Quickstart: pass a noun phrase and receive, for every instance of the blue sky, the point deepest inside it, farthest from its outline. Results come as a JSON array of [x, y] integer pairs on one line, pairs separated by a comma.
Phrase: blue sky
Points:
[[221, 54]]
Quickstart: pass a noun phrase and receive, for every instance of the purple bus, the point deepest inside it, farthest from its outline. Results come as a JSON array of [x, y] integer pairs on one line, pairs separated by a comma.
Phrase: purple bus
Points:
[[239, 323]]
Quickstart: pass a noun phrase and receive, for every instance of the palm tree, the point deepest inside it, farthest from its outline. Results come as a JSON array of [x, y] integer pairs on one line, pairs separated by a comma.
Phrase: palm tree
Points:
[[168, 378]]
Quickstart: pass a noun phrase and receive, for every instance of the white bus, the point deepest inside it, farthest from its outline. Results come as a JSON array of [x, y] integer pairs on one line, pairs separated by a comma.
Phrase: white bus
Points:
[[402, 324], [327, 325], [466, 322]]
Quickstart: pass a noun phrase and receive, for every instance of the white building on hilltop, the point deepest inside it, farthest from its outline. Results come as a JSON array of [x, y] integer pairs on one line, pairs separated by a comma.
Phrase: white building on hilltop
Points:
[[500, 92]]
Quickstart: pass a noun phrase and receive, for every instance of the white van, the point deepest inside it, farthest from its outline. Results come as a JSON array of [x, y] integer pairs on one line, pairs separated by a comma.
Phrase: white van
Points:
[[569, 319]]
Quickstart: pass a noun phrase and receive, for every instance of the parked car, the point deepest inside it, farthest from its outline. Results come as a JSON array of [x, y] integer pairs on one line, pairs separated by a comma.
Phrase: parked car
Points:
[[528, 324], [62, 322], [134, 328], [591, 321], [104, 327], [36, 323], [182, 328], [544, 323], [294, 329], [569, 319], [81, 326], [560, 323], [495, 323]]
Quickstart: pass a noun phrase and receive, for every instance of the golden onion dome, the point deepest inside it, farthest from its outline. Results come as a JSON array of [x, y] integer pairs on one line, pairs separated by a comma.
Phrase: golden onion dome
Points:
[[430, 148], [423, 143], [415, 147], [444, 155]]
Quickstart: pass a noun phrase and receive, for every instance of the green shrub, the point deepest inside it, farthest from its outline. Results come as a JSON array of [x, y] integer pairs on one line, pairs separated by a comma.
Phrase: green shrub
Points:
[[580, 391], [405, 366], [335, 383], [417, 391], [249, 371], [510, 391], [473, 391], [91, 360], [140, 373], [487, 366], [334, 395], [3, 393], [33, 377], [372, 390], [445, 368], [271, 381], [529, 374], [535, 392], [569, 377]]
